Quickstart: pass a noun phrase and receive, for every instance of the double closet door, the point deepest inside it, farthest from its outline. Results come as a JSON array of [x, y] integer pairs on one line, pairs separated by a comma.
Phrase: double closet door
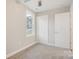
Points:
[[60, 30]]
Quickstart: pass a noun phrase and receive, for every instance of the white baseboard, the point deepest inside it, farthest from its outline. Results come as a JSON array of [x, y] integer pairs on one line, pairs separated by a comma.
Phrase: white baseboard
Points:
[[22, 49], [47, 44]]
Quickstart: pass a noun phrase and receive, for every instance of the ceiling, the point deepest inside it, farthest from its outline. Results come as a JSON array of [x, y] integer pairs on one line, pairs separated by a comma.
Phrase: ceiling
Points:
[[47, 4]]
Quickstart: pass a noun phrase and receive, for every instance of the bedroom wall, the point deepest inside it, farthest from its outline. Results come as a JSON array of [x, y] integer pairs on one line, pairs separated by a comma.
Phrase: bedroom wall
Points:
[[15, 32], [71, 13]]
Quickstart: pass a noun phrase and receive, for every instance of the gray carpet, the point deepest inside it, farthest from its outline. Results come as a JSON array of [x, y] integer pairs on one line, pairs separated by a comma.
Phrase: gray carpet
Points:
[[41, 51]]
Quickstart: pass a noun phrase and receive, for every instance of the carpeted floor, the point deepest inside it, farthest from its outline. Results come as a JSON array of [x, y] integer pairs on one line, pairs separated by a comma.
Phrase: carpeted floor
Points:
[[41, 51]]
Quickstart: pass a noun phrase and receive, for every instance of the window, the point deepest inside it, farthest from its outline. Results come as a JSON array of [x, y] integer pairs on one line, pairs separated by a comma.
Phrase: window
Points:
[[29, 24]]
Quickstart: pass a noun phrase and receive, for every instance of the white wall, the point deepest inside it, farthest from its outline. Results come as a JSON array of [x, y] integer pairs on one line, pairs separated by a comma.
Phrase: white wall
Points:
[[71, 13], [59, 10], [16, 34]]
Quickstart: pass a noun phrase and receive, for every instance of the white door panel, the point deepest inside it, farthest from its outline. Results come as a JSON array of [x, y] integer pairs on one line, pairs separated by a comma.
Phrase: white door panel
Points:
[[42, 28], [62, 30]]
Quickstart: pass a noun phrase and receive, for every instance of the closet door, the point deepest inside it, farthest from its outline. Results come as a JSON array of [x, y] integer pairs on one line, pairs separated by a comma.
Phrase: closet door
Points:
[[42, 29], [62, 30]]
